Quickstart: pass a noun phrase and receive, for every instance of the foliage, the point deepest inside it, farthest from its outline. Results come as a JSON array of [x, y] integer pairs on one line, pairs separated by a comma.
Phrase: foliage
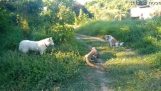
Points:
[[27, 20], [32, 72], [4, 15], [82, 18], [10, 35], [38, 19], [65, 15], [138, 73], [109, 9]]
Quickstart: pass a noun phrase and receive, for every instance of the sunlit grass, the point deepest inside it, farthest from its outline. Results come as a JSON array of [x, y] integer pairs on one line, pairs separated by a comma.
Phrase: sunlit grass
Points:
[[142, 36], [136, 65], [41, 72], [134, 73]]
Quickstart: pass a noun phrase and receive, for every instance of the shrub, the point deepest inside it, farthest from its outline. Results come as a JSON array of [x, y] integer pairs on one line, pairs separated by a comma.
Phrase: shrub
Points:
[[34, 72], [10, 35], [60, 33]]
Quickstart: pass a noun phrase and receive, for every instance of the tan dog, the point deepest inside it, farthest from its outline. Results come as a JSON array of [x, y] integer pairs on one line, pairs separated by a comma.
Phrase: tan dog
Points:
[[112, 41], [93, 54]]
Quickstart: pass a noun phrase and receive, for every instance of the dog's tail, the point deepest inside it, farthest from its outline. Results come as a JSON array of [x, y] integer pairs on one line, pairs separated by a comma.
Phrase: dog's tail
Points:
[[121, 43]]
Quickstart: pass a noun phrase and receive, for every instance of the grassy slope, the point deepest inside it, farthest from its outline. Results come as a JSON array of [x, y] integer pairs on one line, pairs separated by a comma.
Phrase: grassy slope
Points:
[[90, 79], [128, 70], [136, 66], [35, 72], [30, 72], [143, 36]]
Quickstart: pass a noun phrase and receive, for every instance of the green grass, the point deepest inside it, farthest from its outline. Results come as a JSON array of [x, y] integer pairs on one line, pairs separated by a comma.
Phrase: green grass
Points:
[[142, 36], [137, 65], [34, 72], [127, 70], [30, 72], [134, 67], [139, 73]]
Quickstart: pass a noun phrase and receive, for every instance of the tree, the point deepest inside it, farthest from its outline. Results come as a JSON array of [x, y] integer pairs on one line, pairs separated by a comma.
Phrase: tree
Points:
[[109, 9], [119, 15]]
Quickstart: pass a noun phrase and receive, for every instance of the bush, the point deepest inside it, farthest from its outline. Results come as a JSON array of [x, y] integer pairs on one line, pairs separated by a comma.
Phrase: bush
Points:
[[35, 72], [139, 73], [60, 34], [10, 35]]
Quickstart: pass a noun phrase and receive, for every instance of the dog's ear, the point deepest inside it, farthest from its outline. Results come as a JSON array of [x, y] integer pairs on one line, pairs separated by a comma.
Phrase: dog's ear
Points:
[[109, 36], [106, 37], [50, 38]]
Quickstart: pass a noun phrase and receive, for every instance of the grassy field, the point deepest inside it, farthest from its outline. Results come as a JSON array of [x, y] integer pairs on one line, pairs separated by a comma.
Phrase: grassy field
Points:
[[136, 66], [25, 72], [142, 36], [133, 67], [30, 72]]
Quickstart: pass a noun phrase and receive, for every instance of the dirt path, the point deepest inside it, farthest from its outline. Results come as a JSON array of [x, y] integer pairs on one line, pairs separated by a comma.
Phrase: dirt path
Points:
[[98, 79], [85, 37], [96, 76]]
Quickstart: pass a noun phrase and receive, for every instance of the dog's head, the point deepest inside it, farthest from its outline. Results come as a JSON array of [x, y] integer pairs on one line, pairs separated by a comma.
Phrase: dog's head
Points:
[[93, 49], [95, 54], [49, 41], [107, 37]]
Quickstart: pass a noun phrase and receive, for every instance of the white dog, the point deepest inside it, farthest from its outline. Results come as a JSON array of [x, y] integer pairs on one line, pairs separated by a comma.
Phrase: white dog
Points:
[[112, 41], [39, 46]]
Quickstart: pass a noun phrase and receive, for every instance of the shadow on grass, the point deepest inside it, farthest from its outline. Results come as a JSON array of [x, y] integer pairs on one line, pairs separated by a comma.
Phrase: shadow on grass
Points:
[[134, 77], [107, 56]]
